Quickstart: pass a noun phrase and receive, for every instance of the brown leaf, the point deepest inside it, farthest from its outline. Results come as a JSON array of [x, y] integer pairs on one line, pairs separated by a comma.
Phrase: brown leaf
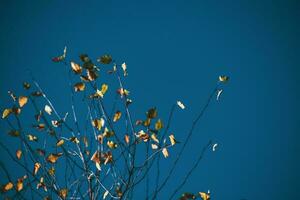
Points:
[[127, 139], [53, 157], [22, 101], [8, 186], [63, 193], [36, 168], [19, 184], [80, 86], [19, 154], [117, 116], [60, 142], [77, 69]]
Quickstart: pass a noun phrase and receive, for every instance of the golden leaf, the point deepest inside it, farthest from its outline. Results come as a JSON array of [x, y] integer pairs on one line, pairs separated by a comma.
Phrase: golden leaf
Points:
[[154, 137], [32, 138], [48, 109], [60, 142], [98, 123], [223, 79], [77, 69], [158, 125], [172, 139], [204, 196], [19, 154], [112, 144], [53, 157], [165, 152], [63, 193], [117, 116], [6, 113], [127, 139], [22, 101], [16, 110], [100, 138], [8, 186], [80, 86], [147, 122], [123, 92], [107, 133], [154, 146], [143, 136], [36, 168], [19, 185]]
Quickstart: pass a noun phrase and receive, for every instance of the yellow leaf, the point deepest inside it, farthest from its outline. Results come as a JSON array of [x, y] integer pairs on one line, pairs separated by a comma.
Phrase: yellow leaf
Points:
[[98, 123], [60, 142], [165, 152], [154, 138], [112, 144], [172, 139], [6, 112], [204, 196], [19, 154], [19, 185], [127, 139], [32, 138], [8, 186], [63, 193], [158, 125], [154, 146], [36, 168], [22, 101], [117, 116], [147, 122], [223, 78], [48, 109], [80, 86], [76, 68], [53, 157]]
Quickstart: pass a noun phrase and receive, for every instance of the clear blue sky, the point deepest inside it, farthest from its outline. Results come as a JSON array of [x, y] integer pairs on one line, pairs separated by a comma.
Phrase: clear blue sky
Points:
[[176, 50]]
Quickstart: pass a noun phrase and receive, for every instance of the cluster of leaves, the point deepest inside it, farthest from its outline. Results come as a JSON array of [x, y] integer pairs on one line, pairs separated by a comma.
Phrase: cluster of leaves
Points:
[[99, 160]]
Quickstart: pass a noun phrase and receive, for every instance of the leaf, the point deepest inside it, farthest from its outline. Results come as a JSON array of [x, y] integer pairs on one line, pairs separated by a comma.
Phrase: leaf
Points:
[[152, 113], [107, 133], [40, 127], [172, 139], [77, 69], [98, 123], [158, 125], [127, 139], [154, 138], [117, 116], [62, 57], [204, 196], [42, 184], [96, 159], [223, 79], [219, 92], [181, 105], [80, 86], [112, 144], [22, 101], [6, 113], [63, 193], [53, 157], [32, 138], [154, 146], [16, 110], [19, 154], [26, 85], [124, 67], [51, 171], [187, 196], [85, 141], [8, 186], [100, 93], [36, 168], [165, 152], [123, 92], [143, 136], [56, 123], [48, 109], [60, 142], [147, 122], [19, 184], [105, 194], [105, 59], [92, 74]]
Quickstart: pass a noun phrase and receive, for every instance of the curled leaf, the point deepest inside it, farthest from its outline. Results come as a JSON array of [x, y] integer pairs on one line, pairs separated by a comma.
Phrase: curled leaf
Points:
[[22, 101], [214, 147], [219, 92], [62, 57], [204, 196], [96, 159], [117, 116], [80, 86], [77, 69], [154, 138]]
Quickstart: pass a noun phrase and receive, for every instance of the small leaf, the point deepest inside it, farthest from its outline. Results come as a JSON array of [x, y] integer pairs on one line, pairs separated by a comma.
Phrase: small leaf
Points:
[[36, 168], [98, 123], [74, 140], [112, 144], [32, 138], [48, 109], [158, 125], [96, 159], [105, 59], [60, 142], [172, 139], [181, 105], [53, 157], [154, 146], [63, 193], [60, 58], [124, 67], [8, 186], [26, 85], [154, 138], [22, 101], [19, 154], [223, 79], [77, 69], [14, 133], [80, 86], [127, 139], [19, 184], [165, 152], [105, 194], [152, 113], [204, 196], [6, 113], [117, 116]]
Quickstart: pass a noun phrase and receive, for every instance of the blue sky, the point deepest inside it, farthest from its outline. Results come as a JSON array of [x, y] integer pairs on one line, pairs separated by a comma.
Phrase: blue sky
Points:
[[176, 50]]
